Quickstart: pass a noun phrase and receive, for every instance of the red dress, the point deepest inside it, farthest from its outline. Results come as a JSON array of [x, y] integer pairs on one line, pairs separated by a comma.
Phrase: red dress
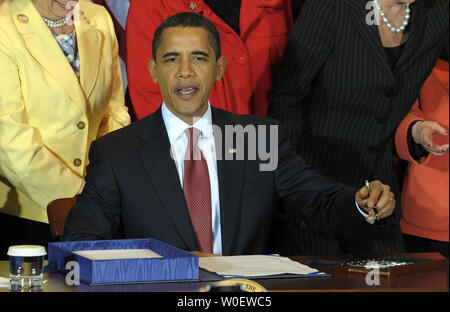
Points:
[[252, 57], [425, 197]]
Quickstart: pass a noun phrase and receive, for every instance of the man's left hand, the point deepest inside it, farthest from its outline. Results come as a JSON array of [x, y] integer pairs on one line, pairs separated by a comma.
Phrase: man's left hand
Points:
[[379, 196]]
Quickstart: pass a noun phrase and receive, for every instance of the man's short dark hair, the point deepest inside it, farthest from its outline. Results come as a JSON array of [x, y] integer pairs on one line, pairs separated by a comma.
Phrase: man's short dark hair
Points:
[[188, 19]]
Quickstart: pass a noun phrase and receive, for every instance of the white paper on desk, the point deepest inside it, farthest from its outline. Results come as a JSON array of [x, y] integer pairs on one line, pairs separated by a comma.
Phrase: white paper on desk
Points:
[[253, 265], [4, 282], [115, 254]]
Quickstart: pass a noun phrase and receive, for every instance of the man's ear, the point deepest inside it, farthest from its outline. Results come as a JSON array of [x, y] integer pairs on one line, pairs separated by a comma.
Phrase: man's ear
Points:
[[151, 64], [221, 67]]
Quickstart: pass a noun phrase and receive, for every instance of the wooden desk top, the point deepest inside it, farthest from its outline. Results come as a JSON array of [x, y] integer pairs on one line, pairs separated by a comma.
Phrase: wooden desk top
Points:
[[426, 281]]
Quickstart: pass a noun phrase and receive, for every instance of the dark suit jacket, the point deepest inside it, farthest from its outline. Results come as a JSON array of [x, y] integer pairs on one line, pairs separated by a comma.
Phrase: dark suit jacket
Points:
[[340, 102], [336, 95], [133, 190]]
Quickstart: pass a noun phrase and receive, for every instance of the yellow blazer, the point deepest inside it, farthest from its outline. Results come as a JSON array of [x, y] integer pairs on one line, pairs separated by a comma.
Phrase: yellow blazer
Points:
[[48, 117]]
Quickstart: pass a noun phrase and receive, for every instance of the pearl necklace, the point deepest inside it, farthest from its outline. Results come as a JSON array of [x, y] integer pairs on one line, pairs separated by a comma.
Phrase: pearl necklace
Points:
[[54, 24], [388, 24]]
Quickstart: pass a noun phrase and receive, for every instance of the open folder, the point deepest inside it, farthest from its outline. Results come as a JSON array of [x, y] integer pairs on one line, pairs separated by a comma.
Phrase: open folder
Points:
[[257, 266]]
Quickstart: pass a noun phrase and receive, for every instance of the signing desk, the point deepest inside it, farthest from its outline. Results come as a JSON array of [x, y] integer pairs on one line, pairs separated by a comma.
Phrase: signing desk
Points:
[[426, 281]]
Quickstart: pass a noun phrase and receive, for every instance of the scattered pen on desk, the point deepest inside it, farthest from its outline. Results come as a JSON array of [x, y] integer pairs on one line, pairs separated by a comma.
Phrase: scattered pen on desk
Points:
[[375, 210]]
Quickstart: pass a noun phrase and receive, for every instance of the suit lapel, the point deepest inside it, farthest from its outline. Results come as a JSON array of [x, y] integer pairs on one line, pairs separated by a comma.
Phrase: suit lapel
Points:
[[231, 176], [88, 41], [161, 170], [370, 35], [39, 41], [418, 22]]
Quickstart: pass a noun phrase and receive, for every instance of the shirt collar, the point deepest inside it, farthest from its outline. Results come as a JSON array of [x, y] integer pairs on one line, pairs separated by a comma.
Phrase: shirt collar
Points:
[[175, 126]]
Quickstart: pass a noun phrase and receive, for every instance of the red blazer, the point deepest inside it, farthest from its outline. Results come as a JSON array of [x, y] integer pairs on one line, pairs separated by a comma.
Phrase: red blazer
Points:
[[252, 57], [425, 197]]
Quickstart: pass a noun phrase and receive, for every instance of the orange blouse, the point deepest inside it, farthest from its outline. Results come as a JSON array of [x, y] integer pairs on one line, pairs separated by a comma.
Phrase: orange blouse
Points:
[[425, 196]]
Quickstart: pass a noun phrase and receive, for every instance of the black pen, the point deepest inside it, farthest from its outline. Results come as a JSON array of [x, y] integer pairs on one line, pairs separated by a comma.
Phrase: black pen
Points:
[[374, 208]]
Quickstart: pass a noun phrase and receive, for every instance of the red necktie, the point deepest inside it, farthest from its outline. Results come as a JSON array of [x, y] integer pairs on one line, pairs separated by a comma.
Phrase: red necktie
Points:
[[197, 191]]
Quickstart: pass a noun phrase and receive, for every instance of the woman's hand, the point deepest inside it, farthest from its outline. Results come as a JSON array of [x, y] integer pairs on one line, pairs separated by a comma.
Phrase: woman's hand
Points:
[[422, 133]]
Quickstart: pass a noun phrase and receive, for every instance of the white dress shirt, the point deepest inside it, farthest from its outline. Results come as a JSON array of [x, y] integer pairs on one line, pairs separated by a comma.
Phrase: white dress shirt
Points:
[[175, 128]]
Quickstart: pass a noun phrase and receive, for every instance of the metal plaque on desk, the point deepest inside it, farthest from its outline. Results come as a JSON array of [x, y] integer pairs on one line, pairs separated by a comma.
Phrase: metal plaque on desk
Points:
[[390, 265]]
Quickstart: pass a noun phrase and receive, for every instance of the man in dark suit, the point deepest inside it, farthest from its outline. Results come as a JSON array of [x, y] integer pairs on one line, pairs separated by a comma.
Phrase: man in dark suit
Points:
[[200, 178]]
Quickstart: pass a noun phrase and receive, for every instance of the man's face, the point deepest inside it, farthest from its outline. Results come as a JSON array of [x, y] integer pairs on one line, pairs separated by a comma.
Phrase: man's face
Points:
[[186, 69]]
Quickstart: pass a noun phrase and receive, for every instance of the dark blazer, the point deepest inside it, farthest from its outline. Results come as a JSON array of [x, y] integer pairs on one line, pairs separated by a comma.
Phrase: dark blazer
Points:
[[133, 190], [337, 97]]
